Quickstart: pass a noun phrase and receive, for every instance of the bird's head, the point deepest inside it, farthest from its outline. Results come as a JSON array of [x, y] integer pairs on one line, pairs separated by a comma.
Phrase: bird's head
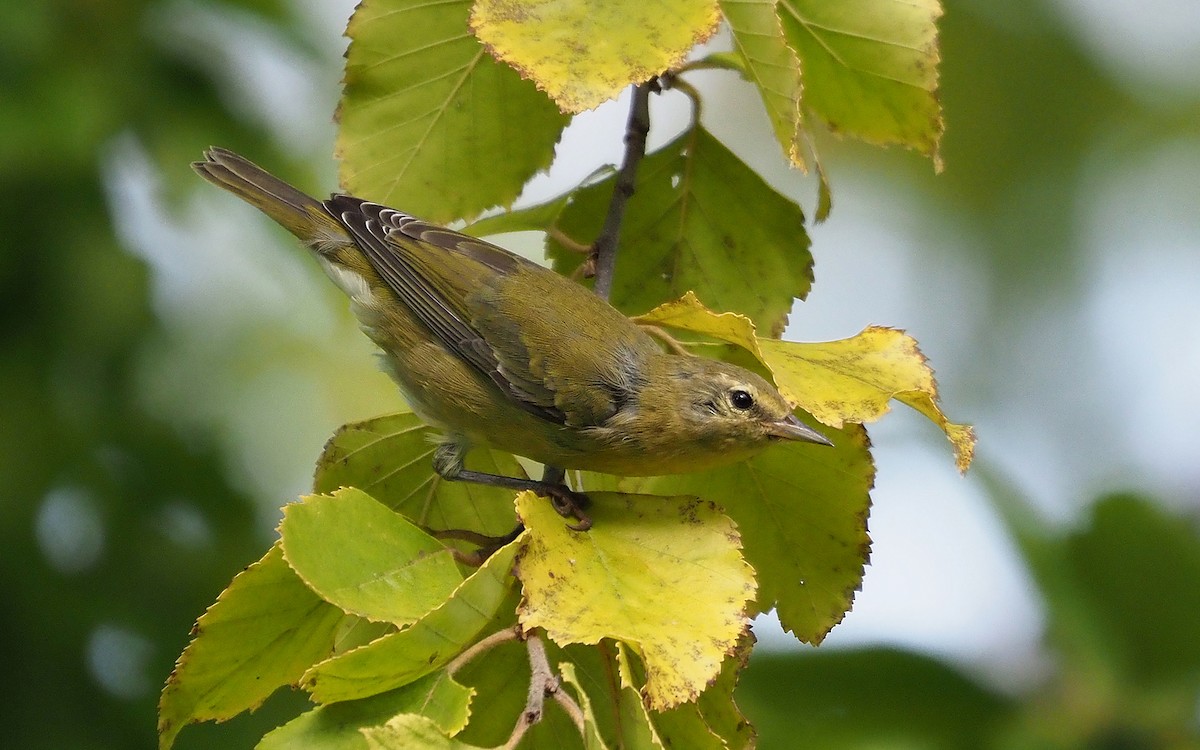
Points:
[[723, 407]]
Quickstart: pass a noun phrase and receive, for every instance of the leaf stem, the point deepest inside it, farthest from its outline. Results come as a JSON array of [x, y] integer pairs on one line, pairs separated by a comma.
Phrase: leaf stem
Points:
[[662, 335], [604, 250], [672, 80], [493, 640]]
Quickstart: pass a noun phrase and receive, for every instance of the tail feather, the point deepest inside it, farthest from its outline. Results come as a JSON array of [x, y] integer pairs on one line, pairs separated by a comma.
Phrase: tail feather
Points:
[[299, 213]]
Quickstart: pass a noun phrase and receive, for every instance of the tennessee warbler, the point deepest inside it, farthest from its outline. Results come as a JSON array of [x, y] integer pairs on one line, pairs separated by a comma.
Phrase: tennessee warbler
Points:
[[496, 350]]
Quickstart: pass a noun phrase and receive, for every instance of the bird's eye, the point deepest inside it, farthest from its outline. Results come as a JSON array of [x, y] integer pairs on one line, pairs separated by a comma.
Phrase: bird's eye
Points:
[[741, 399]]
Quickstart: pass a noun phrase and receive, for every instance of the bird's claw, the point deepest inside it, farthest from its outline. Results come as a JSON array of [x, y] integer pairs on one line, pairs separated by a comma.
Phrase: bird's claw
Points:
[[570, 504]]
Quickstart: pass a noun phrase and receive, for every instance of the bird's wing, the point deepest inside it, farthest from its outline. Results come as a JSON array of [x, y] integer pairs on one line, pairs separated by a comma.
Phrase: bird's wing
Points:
[[434, 271]]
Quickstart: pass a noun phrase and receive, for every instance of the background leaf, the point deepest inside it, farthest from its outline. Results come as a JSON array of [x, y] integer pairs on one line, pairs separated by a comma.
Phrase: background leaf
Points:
[[429, 122], [846, 700]]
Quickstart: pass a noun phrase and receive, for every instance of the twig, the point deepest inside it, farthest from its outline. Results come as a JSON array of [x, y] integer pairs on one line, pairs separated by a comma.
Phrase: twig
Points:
[[493, 640], [671, 342], [567, 242], [671, 80], [604, 249], [573, 710], [542, 682]]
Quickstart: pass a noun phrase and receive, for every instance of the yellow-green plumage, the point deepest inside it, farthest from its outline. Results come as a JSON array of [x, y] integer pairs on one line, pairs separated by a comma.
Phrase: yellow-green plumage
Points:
[[496, 350]]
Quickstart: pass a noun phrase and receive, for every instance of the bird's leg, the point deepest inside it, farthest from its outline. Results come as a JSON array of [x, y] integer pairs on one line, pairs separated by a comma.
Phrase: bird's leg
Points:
[[448, 463], [566, 502]]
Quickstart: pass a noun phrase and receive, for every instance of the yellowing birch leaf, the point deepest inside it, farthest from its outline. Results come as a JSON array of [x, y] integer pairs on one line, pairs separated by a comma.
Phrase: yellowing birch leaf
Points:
[[870, 67], [688, 314], [428, 121], [663, 574], [365, 559], [853, 379], [584, 53], [713, 722]]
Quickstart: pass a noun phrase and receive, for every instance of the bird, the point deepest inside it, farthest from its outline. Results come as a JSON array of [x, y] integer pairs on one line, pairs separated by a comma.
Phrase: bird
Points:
[[492, 349]]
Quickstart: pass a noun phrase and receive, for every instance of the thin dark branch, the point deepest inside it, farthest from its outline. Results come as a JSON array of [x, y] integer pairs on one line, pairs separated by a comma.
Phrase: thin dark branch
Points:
[[604, 250]]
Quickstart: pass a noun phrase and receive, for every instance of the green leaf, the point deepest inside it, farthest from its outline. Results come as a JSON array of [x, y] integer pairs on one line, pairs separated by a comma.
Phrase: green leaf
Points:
[[701, 215], [429, 122], [715, 711], [1134, 572], [391, 458], [583, 54], [802, 514], [679, 726], [263, 632], [870, 68], [366, 559], [771, 66], [896, 700], [591, 733], [621, 713], [531, 219], [425, 646], [663, 574], [408, 731], [336, 726]]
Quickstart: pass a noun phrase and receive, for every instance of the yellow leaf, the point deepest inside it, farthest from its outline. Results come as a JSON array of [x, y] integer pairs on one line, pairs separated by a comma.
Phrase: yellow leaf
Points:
[[663, 574], [688, 313], [853, 379], [584, 53]]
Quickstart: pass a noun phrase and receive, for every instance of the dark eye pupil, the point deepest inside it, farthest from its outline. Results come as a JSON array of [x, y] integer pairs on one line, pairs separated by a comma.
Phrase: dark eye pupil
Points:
[[741, 399]]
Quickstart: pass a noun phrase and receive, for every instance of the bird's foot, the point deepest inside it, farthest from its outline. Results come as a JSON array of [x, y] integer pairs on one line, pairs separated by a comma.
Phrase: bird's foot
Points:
[[571, 505]]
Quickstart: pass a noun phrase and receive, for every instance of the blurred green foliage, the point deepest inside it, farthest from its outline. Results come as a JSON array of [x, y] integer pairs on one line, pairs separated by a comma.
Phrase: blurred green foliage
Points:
[[118, 528], [1122, 606]]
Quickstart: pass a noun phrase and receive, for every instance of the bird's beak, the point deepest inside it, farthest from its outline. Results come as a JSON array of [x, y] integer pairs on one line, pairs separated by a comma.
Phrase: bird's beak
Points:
[[791, 428]]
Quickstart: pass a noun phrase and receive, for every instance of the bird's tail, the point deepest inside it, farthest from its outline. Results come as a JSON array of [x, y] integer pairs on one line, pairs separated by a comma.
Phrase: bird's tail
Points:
[[300, 214]]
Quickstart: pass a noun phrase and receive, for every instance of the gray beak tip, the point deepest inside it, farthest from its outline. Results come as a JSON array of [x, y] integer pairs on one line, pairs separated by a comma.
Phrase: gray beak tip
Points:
[[792, 428]]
